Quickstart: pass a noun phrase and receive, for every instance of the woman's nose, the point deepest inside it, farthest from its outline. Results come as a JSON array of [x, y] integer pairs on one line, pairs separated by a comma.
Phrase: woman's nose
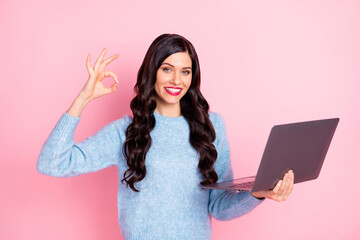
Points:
[[176, 78]]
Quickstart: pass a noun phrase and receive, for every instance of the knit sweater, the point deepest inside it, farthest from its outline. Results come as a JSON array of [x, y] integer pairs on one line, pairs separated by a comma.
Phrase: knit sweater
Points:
[[171, 203]]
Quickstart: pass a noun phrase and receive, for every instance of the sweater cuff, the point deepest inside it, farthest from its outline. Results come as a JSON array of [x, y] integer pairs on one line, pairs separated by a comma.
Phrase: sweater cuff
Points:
[[66, 125]]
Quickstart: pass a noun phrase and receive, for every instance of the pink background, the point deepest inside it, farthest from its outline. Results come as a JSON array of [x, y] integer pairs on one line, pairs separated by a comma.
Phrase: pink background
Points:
[[263, 63]]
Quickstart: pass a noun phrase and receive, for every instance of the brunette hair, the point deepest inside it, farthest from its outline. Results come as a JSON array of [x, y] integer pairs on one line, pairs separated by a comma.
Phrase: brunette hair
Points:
[[194, 108]]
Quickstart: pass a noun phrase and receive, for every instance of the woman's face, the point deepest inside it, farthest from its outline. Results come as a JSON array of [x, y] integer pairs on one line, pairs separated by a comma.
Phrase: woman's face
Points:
[[173, 79]]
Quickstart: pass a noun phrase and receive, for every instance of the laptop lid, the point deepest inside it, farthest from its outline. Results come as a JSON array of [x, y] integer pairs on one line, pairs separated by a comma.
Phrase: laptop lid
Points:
[[301, 147]]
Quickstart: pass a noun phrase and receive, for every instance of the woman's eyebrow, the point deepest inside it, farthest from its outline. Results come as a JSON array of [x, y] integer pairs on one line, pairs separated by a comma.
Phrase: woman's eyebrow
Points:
[[173, 65]]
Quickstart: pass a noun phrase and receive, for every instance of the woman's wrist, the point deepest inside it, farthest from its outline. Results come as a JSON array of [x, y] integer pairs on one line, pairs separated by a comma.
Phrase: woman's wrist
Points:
[[78, 106]]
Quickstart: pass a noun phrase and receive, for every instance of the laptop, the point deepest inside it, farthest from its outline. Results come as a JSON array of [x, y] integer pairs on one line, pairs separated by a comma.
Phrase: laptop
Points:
[[301, 147]]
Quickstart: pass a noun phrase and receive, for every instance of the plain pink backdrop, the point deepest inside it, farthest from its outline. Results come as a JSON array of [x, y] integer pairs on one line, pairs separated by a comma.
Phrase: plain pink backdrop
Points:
[[263, 63]]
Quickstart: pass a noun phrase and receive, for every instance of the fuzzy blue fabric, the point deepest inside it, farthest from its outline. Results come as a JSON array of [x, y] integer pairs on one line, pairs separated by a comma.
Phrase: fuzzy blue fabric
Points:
[[171, 203]]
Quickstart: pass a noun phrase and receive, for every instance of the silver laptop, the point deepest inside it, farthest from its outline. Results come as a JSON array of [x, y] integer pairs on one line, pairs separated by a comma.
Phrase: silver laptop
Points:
[[301, 147]]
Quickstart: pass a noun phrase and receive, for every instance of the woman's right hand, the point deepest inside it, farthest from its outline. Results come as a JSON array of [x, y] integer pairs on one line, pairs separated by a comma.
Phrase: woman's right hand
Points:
[[94, 87]]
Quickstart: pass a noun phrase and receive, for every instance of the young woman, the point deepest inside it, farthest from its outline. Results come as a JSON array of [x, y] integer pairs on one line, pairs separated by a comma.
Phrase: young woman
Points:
[[164, 153]]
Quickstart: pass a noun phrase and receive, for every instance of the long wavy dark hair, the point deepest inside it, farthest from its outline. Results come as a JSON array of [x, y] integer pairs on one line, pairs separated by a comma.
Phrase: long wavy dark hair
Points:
[[194, 108]]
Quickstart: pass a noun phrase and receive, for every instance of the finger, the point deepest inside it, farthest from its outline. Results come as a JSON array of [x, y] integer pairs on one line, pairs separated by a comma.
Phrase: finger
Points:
[[111, 74], [111, 89], [98, 61], [291, 185], [277, 187], [88, 64], [282, 187], [284, 194], [288, 187], [107, 61]]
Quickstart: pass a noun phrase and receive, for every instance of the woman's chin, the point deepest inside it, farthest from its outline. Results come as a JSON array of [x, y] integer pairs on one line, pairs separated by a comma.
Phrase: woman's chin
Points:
[[170, 100]]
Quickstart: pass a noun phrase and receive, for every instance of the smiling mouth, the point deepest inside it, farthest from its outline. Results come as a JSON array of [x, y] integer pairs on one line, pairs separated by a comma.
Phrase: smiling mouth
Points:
[[173, 91]]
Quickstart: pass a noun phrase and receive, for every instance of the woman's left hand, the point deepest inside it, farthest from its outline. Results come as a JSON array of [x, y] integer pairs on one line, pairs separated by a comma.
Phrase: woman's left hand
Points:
[[281, 191]]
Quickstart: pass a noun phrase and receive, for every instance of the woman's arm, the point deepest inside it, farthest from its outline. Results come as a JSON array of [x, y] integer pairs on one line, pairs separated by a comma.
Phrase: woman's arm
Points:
[[60, 156], [227, 205]]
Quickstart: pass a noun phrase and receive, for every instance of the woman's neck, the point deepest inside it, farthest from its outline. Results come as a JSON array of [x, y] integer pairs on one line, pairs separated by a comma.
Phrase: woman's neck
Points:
[[168, 110]]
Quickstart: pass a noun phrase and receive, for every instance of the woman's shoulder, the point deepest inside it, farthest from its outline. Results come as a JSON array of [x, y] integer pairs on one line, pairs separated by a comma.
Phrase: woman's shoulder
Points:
[[218, 122], [122, 122], [124, 119], [216, 119], [117, 126], [219, 125]]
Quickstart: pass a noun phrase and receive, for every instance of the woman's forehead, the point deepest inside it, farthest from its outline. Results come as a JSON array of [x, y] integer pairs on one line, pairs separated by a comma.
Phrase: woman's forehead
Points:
[[179, 59]]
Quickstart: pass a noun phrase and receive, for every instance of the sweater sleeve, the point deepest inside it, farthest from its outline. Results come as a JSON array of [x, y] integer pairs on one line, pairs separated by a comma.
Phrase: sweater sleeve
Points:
[[60, 156], [227, 205]]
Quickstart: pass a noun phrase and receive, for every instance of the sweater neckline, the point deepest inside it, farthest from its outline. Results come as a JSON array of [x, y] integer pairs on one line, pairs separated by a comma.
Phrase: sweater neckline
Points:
[[163, 118]]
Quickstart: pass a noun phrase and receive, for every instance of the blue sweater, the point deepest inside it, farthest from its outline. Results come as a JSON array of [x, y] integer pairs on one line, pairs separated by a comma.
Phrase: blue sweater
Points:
[[171, 203]]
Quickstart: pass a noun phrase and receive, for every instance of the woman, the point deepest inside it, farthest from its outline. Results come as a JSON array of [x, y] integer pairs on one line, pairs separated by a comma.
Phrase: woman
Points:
[[170, 146]]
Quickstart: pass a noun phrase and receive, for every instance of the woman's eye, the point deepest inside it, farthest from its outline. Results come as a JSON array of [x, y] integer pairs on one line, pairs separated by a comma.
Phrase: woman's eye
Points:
[[166, 69], [186, 72]]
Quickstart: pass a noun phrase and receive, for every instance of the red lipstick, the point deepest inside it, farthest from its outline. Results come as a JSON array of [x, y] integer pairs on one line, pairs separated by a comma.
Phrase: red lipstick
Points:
[[167, 89]]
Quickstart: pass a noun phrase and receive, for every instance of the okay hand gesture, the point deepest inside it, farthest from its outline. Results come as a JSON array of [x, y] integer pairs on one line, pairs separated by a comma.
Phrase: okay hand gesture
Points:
[[94, 87]]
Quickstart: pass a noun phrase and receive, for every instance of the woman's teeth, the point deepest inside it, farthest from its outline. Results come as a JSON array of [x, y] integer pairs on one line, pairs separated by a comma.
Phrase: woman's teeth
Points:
[[173, 90]]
